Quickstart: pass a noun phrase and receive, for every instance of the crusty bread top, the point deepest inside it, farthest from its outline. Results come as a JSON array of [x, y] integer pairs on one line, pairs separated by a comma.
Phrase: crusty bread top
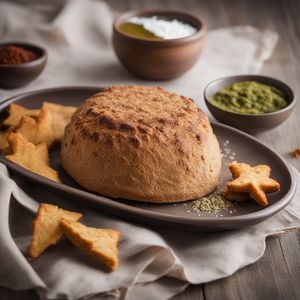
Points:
[[138, 113], [142, 143]]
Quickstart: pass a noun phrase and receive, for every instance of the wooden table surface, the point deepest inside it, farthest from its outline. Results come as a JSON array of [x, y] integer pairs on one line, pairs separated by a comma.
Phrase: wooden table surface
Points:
[[277, 274]]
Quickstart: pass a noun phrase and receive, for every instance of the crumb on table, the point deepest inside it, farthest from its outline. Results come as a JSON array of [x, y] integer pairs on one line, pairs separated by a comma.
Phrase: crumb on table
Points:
[[295, 152]]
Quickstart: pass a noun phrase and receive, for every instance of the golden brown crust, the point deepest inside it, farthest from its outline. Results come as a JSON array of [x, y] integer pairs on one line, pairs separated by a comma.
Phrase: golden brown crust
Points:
[[142, 143], [46, 229], [16, 112], [98, 242], [61, 116], [17, 115], [37, 131], [37, 125]]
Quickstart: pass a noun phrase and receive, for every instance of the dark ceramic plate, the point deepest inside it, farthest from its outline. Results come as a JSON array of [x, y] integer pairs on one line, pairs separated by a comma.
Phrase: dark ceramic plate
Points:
[[235, 145]]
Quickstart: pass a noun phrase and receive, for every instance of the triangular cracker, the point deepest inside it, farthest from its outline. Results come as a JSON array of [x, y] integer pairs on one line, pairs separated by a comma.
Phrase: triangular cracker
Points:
[[16, 112], [39, 130], [100, 243], [61, 116], [31, 157], [46, 228]]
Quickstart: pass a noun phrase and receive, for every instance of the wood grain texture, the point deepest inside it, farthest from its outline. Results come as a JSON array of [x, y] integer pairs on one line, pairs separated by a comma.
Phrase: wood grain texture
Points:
[[268, 279], [277, 274]]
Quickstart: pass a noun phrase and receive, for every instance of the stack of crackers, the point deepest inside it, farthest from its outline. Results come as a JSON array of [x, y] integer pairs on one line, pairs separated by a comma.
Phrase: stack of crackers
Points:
[[28, 135], [52, 223], [30, 132]]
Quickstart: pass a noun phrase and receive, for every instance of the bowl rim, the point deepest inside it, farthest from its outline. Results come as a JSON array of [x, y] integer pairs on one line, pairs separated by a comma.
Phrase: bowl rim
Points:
[[32, 63], [139, 12], [257, 78]]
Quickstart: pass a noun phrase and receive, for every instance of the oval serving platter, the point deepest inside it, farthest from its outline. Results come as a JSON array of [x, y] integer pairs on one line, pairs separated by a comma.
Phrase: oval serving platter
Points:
[[235, 145]]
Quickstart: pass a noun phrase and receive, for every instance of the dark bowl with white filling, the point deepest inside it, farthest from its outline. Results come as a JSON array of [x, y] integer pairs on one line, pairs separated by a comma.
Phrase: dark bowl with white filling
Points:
[[158, 59]]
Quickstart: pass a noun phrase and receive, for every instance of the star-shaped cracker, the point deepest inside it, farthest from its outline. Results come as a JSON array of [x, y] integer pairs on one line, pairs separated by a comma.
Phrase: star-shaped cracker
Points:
[[31, 157], [234, 196], [98, 242], [61, 116], [254, 180], [37, 131], [46, 229], [16, 112]]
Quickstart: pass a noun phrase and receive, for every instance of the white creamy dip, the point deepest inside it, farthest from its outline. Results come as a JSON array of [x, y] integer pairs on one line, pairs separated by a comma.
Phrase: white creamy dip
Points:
[[164, 29]]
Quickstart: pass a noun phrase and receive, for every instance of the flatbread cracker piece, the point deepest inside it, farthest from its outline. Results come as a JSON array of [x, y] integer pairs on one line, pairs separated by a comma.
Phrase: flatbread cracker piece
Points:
[[16, 112], [98, 242], [3, 141], [254, 180], [37, 131], [46, 228], [31, 157], [61, 116]]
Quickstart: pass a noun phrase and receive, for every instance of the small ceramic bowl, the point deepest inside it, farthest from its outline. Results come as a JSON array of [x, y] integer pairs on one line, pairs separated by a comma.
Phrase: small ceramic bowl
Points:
[[248, 122], [17, 75], [158, 59]]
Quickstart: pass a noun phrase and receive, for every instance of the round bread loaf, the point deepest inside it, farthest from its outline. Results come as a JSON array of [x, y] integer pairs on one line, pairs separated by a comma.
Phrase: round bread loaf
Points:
[[142, 143]]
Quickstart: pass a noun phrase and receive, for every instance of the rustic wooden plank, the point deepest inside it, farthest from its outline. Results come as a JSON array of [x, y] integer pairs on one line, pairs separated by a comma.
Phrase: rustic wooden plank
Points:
[[290, 245], [8, 294], [290, 12], [194, 292], [270, 278], [283, 65]]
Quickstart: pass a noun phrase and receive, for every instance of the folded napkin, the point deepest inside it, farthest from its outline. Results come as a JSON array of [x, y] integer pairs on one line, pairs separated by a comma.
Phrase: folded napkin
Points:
[[155, 263]]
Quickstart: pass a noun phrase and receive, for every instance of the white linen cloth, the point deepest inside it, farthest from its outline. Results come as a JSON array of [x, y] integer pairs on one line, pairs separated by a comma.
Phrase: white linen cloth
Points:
[[155, 263]]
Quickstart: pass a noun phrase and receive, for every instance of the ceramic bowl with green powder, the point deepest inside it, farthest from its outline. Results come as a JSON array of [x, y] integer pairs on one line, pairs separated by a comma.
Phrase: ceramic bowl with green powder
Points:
[[252, 103], [250, 97]]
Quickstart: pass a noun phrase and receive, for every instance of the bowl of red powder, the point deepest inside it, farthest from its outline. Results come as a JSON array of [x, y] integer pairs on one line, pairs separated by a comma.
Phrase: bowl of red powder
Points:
[[20, 63]]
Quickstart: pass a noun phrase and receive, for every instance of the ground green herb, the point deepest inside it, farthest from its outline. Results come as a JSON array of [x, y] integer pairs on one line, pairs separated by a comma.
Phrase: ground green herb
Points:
[[213, 203], [250, 97]]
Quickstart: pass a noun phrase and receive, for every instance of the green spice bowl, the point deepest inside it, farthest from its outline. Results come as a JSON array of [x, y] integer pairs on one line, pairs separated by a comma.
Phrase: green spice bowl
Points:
[[250, 123]]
